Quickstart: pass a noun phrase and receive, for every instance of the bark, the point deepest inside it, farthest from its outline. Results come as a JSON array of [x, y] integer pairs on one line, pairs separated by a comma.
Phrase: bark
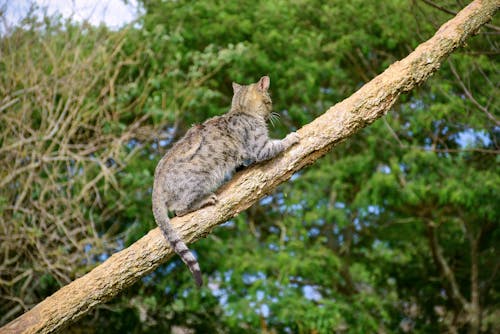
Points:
[[344, 119]]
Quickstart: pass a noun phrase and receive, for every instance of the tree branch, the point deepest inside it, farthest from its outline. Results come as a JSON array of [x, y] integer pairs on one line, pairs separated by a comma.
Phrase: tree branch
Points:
[[470, 96], [371, 102], [437, 254], [447, 11]]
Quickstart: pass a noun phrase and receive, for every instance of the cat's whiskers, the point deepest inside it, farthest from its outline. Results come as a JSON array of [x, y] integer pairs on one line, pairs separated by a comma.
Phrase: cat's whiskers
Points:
[[274, 116]]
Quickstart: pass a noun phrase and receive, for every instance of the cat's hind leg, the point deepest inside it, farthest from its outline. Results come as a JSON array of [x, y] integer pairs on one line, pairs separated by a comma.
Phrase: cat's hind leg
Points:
[[211, 199]]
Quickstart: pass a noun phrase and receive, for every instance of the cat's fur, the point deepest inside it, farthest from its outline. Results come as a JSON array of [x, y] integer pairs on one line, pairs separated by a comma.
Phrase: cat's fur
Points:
[[198, 163]]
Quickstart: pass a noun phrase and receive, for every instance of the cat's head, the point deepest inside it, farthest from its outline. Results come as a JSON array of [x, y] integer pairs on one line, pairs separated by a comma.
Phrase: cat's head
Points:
[[253, 99]]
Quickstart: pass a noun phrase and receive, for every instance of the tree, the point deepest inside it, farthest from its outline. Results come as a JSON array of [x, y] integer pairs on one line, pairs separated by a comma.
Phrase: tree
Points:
[[375, 97], [81, 111]]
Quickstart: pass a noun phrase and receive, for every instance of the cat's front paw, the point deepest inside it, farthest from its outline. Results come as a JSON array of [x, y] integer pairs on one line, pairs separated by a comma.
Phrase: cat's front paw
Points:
[[292, 138]]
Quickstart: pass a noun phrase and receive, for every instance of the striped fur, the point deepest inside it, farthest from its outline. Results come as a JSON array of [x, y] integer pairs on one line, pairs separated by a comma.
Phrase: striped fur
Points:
[[208, 154], [160, 213]]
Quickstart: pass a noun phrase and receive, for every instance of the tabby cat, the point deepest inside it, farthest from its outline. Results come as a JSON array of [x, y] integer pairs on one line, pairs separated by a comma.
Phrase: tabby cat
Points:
[[189, 173]]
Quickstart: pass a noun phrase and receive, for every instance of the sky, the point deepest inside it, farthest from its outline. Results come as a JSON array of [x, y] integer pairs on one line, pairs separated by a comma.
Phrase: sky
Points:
[[113, 13]]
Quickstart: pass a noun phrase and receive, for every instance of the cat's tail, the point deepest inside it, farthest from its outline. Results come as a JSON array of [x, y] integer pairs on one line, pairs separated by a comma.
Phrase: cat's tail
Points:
[[160, 213]]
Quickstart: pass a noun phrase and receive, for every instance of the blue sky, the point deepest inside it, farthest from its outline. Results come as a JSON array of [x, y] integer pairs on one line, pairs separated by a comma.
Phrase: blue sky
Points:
[[114, 13]]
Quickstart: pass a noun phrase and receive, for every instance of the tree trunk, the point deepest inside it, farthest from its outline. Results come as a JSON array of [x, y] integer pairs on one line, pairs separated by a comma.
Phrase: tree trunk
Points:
[[474, 308], [344, 119]]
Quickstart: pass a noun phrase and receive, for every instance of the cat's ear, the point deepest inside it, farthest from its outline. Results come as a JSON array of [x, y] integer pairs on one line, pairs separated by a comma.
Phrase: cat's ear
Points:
[[236, 87], [264, 83]]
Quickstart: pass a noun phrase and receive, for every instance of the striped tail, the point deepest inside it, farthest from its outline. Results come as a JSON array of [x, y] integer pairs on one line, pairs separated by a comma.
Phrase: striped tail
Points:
[[161, 216]]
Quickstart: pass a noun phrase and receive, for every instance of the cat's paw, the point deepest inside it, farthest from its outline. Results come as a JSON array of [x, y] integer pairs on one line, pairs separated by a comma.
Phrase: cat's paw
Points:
[[211, 200], [292, 138]]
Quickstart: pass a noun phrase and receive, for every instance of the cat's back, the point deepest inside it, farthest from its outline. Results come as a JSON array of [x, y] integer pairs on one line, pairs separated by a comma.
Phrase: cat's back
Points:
[[205, 144]]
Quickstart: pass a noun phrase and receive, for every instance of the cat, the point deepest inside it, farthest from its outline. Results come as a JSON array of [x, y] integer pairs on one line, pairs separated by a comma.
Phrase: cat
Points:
[[189, 173]]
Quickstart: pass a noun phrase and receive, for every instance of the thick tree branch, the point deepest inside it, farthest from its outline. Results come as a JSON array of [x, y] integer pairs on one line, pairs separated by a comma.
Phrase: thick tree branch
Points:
[[371, 102]]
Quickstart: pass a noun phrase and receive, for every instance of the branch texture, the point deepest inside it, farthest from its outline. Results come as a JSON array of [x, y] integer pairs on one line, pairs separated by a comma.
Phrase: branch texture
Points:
[[344, 119]]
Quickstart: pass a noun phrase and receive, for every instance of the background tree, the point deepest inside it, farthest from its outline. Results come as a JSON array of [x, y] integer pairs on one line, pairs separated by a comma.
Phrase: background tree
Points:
[[387, 233]]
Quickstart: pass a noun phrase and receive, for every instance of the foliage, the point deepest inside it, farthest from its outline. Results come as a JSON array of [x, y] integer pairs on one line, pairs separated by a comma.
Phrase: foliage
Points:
[[83, 116], [357, 243]]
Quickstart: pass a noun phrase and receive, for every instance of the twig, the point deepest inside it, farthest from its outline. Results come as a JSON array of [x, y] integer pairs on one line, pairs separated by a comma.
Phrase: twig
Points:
[[470, 96], [447, 11]]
